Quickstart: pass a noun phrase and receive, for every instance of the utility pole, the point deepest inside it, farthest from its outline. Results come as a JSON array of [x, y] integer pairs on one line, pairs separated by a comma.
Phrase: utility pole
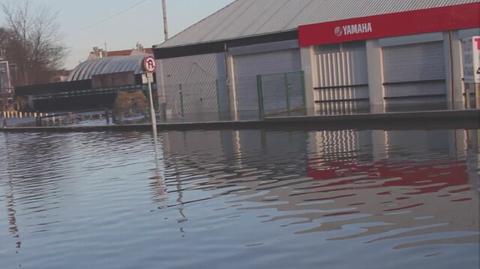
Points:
[[160, 78], [165, 21]]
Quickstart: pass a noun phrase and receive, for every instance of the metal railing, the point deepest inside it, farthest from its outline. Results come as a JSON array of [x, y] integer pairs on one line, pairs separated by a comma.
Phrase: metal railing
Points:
[[36, 119], [281, 94]]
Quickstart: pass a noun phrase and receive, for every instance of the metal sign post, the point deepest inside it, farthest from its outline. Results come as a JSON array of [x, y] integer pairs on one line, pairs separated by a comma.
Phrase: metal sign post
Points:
[[149, 67]]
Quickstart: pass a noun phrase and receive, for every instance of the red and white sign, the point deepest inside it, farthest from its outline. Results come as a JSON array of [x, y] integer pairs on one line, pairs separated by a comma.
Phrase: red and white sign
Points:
[[471, 59], [149, 64], [353, 29], [389, 25]]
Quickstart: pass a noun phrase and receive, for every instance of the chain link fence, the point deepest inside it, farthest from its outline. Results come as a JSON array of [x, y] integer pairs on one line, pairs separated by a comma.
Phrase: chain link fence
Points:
[[246, 97], [271, 95], [197, 102], [281, 95]]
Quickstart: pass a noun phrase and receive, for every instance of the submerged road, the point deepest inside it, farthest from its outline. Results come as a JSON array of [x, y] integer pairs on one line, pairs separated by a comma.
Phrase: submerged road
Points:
[[462, 119]]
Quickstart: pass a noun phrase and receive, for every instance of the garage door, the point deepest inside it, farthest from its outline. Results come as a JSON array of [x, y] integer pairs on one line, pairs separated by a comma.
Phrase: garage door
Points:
[[342, 79], [247, 67], [414, 76]]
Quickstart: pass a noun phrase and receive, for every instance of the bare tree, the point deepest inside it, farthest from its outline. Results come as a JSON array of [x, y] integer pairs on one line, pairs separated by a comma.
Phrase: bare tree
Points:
[[34, 43]]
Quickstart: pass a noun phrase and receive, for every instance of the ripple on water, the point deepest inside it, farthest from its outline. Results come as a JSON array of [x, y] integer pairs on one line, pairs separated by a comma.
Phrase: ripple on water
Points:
[[241, 199]]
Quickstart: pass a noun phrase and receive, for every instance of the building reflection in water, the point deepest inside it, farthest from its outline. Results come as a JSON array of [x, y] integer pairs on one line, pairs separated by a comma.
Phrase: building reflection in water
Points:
[[398, 193], [11, 212], [40, 173], [386, 184], [34, 168], [12, 219]]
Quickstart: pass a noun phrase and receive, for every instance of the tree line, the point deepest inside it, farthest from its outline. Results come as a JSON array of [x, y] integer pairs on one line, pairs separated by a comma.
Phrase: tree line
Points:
[[31, 42]]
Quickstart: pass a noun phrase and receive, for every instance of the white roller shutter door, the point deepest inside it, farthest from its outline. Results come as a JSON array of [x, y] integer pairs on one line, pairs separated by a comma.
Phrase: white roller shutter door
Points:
[[247, 67], [342, 78], [414, 76]]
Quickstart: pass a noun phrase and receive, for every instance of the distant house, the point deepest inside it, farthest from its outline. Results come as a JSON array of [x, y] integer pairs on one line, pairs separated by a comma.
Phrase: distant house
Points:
[[99, 53], [5, 84]]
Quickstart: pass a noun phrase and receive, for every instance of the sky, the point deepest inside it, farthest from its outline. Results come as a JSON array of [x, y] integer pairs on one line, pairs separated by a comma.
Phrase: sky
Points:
[[120, 24]]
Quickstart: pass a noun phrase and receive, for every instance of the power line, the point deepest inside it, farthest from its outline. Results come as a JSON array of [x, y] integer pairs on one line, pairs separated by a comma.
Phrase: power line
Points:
[[138, 3]]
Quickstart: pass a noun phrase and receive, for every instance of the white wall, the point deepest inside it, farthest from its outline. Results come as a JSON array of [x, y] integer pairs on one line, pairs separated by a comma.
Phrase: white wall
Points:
[[457, 63], [375, 76], [310, 69]]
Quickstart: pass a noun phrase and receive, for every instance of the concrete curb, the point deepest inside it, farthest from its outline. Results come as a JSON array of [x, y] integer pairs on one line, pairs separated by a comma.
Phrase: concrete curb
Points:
[[463, 119]]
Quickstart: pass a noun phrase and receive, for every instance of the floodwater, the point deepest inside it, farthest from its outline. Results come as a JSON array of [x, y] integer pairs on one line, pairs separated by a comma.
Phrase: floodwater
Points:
[[240, 199]]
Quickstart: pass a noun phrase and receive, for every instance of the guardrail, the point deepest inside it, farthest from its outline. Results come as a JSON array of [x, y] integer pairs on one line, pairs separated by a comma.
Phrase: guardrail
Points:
[[31, 119], [20, 114]]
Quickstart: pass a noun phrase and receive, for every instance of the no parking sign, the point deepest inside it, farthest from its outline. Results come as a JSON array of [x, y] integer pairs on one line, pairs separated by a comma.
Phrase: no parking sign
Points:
[[149, 64]]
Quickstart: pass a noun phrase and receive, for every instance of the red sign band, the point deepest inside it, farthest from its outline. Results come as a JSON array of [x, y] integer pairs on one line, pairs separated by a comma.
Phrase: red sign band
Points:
[[394, 24]]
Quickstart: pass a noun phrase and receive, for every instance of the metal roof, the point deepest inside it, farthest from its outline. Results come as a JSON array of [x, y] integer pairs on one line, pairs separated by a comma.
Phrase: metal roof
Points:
[[244, 18], [109, 65]]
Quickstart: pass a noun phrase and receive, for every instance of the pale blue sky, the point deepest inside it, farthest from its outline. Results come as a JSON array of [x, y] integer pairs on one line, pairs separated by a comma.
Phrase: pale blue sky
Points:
[[84, 26]]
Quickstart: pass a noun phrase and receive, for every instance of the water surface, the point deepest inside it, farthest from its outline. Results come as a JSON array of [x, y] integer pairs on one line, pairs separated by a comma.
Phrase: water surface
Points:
[[240, 199]]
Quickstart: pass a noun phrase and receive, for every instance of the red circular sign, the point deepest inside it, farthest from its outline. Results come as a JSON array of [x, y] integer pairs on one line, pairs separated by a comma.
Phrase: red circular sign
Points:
[[149, 64]]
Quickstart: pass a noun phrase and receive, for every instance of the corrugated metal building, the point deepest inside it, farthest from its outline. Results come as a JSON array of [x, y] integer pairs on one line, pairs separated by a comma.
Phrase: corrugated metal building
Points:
[[109, 65], [363, 55]]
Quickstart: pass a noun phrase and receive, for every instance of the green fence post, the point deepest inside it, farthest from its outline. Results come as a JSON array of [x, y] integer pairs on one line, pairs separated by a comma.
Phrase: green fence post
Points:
[[302, 89], [217, 90], [261, 110], [287, 91], [182, 110]]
